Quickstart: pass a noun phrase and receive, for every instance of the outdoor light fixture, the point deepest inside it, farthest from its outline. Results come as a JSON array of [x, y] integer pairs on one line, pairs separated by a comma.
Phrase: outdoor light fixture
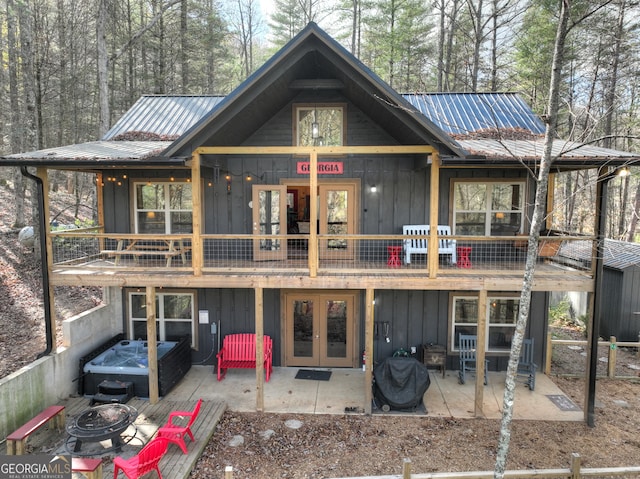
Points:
[[315, 130], [374, 188]]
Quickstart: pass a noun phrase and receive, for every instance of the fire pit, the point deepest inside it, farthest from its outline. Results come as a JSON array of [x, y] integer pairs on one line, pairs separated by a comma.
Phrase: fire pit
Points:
[[100, 423]]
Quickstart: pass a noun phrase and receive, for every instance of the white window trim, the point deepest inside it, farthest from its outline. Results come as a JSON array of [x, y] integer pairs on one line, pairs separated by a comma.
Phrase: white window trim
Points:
[[160, 320], [488, 211], [490, 298], [167, 203]]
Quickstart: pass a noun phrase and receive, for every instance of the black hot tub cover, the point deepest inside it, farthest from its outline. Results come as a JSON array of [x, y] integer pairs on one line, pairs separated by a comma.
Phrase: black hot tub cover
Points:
[[400, 383]]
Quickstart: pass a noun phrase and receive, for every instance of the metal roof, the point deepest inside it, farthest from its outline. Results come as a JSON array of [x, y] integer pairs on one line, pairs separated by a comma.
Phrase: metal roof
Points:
[[514, 150], [616, 254], [167, 116], [464, 113], [93, 153]]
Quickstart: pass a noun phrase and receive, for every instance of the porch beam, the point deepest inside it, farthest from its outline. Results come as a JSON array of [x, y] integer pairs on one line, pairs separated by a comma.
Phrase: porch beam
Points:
[[368, 349], [197, 259], [319, 150], [154, 394], [480, 353], [434, 187], [259, 315], [313, 215]]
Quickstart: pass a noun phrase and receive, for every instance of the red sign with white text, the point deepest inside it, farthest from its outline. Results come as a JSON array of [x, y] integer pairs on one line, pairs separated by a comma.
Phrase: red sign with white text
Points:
[[324, 168]]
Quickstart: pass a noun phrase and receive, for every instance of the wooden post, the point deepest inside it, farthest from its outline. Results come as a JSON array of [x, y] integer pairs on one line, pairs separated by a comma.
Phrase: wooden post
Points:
[[548, 355], [100, 206], [368, 349], [575, 465], [432, 245], [154, 394], [42, 174], [406, 468], [259, 307], [228, 472], [313, 214], [613, 353], [480, 352], [197, 251]]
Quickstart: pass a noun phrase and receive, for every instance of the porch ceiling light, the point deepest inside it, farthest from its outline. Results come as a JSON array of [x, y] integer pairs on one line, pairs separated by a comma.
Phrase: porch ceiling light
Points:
[[315, 130]]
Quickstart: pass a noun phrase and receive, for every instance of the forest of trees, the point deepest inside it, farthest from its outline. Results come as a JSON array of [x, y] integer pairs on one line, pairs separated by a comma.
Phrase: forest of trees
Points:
[[71, 68]]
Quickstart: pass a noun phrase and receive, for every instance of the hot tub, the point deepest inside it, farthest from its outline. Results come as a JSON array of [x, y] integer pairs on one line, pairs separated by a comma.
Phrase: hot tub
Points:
[[128, 361]]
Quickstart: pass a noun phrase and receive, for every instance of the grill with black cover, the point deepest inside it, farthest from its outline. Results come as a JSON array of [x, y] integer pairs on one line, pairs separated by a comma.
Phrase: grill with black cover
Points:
[[400, 383]]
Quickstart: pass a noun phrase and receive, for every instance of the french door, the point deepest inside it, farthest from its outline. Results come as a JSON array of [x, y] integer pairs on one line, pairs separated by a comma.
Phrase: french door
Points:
[[269, 204], [337, 203], [320, 329]]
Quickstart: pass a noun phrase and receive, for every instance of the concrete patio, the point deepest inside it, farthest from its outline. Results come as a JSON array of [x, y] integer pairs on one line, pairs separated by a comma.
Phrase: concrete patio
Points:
[[344, 392]]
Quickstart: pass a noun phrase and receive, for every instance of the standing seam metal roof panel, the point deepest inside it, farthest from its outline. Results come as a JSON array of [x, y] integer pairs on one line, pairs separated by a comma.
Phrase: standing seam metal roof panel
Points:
[[163, 115], [464, 113]]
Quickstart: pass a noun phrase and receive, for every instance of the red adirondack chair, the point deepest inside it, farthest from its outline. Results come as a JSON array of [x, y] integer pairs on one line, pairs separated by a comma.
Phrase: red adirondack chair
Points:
[[142, 463], [174, 432]]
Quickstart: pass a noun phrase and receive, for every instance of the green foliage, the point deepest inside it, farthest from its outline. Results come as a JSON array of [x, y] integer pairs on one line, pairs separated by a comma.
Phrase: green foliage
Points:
[[562, 315]]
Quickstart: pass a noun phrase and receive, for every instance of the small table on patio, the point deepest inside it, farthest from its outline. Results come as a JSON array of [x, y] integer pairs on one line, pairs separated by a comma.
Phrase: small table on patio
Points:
[[99, 423], [394, 256]]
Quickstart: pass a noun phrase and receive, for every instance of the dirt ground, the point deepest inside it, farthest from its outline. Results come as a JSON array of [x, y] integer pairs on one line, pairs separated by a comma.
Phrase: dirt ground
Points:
[[350, 445]]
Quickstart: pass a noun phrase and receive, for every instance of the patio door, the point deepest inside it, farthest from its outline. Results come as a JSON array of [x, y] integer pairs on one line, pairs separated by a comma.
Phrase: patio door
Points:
[[320, 329], [269, 204], [337, 207]]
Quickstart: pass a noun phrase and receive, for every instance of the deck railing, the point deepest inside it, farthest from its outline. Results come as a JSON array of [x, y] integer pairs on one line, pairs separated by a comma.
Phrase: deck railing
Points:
[[345, 254]]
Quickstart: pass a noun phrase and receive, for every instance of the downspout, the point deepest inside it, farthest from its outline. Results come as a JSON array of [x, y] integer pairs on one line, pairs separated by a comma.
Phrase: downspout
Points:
[[44, 261]]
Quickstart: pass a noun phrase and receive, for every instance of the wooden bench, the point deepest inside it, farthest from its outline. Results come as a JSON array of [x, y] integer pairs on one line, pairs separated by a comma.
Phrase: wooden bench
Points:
[[17, 440], [446, 246], [90, 468], [239, 351]]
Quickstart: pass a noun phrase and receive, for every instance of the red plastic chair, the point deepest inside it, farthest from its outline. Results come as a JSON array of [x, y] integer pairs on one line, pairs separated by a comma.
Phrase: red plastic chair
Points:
[[176, 433], [145, 461]]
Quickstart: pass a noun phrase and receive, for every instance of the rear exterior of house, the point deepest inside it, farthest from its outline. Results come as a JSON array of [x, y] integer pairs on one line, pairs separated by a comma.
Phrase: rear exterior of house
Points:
[[279, 210]]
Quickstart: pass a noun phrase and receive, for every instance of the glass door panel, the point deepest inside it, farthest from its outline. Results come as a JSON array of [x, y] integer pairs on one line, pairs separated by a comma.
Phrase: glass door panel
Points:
[[303, 328], [336, 333], [337, 217], [269, 218]]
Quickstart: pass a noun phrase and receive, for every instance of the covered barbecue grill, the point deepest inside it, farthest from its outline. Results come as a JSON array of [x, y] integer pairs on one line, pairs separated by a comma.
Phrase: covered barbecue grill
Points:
[[400, 383]]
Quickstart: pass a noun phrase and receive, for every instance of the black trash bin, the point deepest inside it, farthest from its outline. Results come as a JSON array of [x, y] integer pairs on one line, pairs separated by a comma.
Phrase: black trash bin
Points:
[[400, 383]]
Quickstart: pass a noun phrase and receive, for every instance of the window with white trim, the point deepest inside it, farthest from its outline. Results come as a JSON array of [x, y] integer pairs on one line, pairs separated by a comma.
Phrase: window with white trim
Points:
[[502, 314], [163, 208], [175, 316], [488, 208], [319, 125]]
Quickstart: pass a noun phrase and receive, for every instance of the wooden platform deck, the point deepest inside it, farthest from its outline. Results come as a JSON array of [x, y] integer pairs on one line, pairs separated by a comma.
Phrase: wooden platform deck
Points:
[[174, 464]]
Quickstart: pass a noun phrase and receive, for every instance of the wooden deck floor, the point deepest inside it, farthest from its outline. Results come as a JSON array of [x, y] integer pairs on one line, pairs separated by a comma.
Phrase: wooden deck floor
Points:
[[174, 465]]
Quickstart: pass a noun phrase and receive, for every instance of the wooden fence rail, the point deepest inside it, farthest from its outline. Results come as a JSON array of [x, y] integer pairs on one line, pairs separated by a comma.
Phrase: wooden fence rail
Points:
[[576, 471], [612, 346]]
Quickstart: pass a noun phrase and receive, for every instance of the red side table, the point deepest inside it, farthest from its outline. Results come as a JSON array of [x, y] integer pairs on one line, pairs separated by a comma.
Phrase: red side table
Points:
[[464, 253], [394, 256]]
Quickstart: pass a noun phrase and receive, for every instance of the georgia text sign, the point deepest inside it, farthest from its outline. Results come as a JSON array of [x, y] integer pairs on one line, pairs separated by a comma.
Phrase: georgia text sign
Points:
[[324, 168]]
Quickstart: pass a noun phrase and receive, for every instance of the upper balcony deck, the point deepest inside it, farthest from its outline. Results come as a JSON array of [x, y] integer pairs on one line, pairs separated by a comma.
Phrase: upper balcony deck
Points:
[[291, 261]]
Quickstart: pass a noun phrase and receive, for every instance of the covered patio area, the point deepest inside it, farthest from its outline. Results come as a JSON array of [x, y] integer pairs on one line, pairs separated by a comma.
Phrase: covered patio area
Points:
[[343, 393]]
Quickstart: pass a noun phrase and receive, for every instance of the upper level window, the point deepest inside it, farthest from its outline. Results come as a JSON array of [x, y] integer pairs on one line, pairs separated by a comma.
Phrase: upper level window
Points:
[[317, 125], [488, 208], [163, 208]]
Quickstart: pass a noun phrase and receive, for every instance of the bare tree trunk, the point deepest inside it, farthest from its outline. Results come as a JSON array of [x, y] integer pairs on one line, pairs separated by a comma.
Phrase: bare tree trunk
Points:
[[103, 68], [631, 233], [537, 221], [184, 55], [15, 134]]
